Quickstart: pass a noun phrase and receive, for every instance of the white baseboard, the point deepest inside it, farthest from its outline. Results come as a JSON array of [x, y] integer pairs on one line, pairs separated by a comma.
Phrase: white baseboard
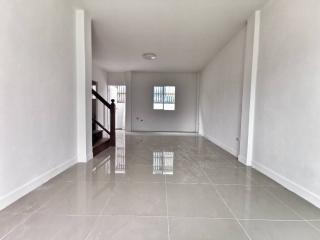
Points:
[[85, 157], [89, 155], [152, 133], [242, 159], [289, 184], [21, 191], [221, 145]]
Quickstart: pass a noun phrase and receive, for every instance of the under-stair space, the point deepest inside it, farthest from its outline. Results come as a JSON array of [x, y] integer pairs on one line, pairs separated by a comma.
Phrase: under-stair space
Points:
[[101, 141]]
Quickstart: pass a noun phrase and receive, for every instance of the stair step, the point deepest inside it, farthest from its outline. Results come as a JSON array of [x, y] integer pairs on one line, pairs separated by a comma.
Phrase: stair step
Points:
[[101, 145], [96, 136]]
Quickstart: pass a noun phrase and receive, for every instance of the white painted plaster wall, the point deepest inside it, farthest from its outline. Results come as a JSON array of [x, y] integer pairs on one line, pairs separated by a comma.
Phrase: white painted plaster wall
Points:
[[287, 126], [183, 119], [89, 78], [37, 94], [83, 44], [221, 95], [249, 88]]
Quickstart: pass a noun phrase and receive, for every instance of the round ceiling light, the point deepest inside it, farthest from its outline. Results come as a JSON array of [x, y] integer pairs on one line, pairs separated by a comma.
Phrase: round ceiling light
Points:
[[149, 56]]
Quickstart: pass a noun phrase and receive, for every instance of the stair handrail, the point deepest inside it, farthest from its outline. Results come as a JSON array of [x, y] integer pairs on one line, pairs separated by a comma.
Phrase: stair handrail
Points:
[[112, 108], [101, 99], [100, 125]]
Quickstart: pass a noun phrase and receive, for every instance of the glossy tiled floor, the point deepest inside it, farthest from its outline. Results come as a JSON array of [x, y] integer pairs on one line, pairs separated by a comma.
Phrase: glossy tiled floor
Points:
[[157, 187]]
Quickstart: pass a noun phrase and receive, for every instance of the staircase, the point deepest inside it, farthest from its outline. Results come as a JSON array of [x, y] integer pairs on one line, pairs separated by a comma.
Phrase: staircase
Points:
[[100, 143]]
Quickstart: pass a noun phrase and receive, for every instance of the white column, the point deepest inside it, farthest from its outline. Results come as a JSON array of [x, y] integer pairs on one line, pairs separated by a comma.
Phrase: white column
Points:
[[83, 78], [249, 89]]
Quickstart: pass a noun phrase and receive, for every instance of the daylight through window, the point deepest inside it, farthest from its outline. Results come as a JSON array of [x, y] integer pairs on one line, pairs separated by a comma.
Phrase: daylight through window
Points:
[[164, 97]]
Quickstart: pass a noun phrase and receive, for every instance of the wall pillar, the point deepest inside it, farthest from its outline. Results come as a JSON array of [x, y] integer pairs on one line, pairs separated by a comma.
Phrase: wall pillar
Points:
[[249, 89], [84, 78]]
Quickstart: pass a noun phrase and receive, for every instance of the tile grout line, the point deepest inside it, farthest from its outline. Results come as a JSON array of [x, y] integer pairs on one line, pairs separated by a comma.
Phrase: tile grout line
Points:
[[270, 220], [234, 215], [32, 213], [315, 227], [294, 211], [211, 218], [157, 216], [18, 225], [100, 215], [167, 183], [167, 207], [226, 204]]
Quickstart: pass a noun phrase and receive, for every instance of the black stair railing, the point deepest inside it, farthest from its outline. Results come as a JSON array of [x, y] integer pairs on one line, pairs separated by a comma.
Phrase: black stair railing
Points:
[[112, 109]]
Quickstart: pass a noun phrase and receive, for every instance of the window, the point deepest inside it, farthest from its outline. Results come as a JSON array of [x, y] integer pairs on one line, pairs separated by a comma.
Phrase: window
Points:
[[164, 97], [121, 94]]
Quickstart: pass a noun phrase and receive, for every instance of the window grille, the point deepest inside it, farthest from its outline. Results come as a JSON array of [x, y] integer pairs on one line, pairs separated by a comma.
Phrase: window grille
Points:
[[121, 94], [164, 97]]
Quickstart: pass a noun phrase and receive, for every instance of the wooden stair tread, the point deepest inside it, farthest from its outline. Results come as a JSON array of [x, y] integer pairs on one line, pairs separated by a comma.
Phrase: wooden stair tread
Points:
[[101, 141], [96, 136], [96, 131], [101, 145]]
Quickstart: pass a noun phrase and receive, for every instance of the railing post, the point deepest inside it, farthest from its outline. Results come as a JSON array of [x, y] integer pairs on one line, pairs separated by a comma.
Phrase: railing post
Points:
[[113, 123]]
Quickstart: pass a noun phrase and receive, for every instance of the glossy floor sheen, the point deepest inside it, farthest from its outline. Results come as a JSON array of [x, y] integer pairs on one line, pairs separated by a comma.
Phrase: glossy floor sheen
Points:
[[156, 187]]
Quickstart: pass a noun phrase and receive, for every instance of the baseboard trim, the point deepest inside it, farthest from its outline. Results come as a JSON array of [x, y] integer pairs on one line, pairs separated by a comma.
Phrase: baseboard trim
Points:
[[221, 145], [289, 184], [151, 133], [242, 159], [89, 155], [21, 191]]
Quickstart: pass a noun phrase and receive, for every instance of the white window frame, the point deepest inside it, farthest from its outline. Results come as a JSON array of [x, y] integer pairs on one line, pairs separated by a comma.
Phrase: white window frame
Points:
[[163, 101]]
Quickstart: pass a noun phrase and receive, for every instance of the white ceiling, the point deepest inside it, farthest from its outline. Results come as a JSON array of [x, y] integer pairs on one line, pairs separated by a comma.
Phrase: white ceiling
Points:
[[185, 34]]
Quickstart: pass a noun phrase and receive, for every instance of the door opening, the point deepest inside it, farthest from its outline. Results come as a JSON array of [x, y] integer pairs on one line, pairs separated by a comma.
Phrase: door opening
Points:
[[118, 93]]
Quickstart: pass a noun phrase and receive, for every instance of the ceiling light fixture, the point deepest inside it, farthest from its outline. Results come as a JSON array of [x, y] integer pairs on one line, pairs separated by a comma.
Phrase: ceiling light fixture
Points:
[[149, 56]]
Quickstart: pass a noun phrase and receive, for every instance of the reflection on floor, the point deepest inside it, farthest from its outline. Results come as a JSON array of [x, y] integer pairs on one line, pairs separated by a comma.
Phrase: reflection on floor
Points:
[[120, 160], [163, 163], [161, 187]]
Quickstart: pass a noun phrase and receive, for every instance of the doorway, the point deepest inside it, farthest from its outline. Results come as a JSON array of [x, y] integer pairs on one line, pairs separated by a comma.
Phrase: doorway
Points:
[[119, 94]]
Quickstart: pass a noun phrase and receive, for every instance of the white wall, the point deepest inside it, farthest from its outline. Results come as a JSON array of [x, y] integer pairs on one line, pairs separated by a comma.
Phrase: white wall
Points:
[[183, 119], [84, 84], [221, 95], [89, 78], [287, 126], [249, 88], [37, 94]]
